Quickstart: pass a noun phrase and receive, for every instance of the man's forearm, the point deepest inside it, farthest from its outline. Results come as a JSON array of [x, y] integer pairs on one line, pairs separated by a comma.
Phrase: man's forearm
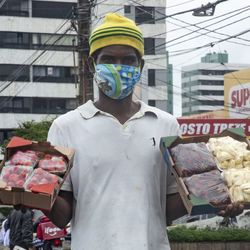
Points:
[[61, 212]]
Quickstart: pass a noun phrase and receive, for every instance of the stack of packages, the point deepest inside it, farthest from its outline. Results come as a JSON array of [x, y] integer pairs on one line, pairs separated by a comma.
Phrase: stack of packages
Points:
[[197, 167], [217, 171], [233, 159], [32, 173], [28, 168]]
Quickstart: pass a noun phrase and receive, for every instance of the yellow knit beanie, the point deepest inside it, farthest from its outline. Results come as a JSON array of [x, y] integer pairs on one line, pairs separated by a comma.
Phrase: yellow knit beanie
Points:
[[116, 30]]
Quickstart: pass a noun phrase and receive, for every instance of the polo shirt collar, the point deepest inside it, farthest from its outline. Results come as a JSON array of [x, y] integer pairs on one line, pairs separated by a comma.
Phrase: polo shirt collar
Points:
[[89, 110]]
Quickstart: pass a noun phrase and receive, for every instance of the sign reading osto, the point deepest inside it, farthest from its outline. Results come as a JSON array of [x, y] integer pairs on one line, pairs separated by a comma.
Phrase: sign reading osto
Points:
[[197, 127]]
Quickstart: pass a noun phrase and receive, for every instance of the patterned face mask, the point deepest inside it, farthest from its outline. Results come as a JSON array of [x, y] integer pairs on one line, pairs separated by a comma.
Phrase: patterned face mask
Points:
[[115, 80]]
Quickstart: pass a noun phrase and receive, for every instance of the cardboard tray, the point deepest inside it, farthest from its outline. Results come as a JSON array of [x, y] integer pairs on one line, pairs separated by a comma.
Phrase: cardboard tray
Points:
[[45, 194], [195, 205]]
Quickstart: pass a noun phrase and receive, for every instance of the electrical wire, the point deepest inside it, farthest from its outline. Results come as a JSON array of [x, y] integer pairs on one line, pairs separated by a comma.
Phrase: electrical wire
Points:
[[34, 60], [172, 6], [226, 106], [24, 85], [17, 72]]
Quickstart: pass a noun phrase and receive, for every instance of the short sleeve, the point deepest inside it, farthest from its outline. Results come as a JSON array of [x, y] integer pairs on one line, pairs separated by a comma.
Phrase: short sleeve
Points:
[[55, 137]]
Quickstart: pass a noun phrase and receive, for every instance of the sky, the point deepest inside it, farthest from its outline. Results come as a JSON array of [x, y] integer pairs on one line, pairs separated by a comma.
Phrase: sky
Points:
[[230, 18]]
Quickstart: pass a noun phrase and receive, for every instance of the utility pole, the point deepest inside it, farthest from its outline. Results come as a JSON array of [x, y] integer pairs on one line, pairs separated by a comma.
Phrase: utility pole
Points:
[[83, 31]]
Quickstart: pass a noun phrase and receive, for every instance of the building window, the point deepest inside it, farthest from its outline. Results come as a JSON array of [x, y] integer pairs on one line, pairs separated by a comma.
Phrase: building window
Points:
[[53, 74], [57, 106], [144, 14], [211, 82], [211, 102], [12, 72], [151, 77], [127, 9], [48, 9], [21, 40], [52, 105], [211, 92], [151, 103], [36, 105], [18, 40], [149, 46], [14, 8], [57, 42]]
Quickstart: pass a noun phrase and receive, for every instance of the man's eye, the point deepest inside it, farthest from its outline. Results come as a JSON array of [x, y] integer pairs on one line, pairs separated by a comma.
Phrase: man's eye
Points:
[[130, 61], [108, 60]]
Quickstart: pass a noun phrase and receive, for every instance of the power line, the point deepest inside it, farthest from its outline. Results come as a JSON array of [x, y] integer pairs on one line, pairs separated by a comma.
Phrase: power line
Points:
[[34, 60], [17, 72]]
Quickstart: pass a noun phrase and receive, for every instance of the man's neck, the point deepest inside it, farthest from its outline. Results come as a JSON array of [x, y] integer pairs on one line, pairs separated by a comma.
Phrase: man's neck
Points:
[[121, 109]]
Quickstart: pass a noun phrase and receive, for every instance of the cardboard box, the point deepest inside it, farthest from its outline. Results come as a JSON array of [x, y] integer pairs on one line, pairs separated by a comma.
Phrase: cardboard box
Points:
[[44, 195], [195, 205]]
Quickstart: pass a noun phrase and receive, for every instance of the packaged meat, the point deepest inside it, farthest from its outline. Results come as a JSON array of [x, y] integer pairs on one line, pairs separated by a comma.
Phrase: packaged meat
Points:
[[27, 158], [15, 175], [40, 176], [192, 158], [53, 164], [209, 186]]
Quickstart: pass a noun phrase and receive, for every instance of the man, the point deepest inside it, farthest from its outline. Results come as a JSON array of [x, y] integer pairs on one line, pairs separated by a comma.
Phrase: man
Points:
[[116, 191], [20, 224]]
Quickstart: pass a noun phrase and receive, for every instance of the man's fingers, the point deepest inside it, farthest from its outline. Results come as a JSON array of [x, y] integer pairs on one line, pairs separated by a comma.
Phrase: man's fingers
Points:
[[232, 210]]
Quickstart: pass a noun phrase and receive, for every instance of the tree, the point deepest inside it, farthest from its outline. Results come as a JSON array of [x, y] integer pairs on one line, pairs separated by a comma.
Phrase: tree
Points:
[[31, 130]]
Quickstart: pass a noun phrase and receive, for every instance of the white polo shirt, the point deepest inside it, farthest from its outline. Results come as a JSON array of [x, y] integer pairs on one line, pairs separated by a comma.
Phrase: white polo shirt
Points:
[[118, 178]]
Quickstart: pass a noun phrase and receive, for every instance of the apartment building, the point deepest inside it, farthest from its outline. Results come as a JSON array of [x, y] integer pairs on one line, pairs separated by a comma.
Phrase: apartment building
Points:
[[203, 83], [36, 63]]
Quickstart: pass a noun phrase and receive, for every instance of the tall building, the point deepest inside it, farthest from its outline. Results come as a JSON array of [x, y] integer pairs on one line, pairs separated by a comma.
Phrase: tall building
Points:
[[203, 83], [38, 63]]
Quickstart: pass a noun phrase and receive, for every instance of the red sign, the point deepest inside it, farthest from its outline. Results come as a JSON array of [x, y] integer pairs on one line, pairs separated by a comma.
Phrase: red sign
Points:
[[50, 231], [197, 127]]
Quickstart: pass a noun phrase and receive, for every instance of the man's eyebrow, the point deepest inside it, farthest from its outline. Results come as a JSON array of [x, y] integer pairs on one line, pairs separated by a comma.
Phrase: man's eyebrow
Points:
[[107, 56], [130, 56]]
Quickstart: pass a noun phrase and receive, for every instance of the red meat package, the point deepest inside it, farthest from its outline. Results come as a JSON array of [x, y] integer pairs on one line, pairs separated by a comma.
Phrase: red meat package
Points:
[[27, 158], [210, 186], [15, 176], [53, 164], [192, 158], [40, 176]]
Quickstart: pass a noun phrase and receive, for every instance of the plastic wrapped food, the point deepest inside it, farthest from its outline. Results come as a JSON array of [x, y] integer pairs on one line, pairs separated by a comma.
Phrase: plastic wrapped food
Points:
[[240, 193], [236, 177], [53, 164], [27, 158], [209, 186], [15, 175], [229, 152], [192, 158], [40, 176]]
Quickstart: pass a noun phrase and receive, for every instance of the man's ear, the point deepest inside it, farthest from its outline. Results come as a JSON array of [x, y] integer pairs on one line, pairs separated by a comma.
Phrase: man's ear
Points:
[[91, 64], [142, 64]]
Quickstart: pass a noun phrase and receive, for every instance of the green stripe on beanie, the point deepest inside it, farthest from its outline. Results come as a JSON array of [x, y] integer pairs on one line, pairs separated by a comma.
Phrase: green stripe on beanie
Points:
[[116, 30]]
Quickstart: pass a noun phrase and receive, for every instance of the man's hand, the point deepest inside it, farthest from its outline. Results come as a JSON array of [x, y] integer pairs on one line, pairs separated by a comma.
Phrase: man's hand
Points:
[[232, 210]]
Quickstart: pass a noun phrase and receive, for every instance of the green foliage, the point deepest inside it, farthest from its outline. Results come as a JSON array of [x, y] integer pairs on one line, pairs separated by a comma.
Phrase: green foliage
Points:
[[184, 234], [31, 130]]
